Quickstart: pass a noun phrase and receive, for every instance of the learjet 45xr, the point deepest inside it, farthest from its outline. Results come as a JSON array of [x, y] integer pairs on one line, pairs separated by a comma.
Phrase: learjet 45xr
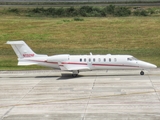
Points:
[[78, 63]]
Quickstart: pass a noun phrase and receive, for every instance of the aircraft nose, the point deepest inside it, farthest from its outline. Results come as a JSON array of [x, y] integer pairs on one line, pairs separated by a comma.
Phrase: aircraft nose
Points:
[[147, 65], [153, 66]]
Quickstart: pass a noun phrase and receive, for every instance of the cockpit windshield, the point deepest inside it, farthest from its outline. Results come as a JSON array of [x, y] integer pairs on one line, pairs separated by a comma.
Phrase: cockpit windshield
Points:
[[132, 58]]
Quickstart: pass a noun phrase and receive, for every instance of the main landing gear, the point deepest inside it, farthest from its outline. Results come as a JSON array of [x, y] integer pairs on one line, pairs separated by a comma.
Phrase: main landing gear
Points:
[[75, 73], [141, 73]]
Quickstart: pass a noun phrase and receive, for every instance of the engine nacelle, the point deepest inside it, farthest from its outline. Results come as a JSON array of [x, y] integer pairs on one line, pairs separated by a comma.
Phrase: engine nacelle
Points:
[[58, 58]]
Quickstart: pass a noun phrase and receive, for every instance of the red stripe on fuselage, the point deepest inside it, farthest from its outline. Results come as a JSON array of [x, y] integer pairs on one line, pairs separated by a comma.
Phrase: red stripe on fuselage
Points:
[[114, 65], [75, 63], [78, 63]]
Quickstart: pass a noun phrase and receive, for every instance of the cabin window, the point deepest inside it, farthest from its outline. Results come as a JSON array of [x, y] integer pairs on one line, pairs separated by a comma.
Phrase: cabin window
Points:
[[99, 59], [84, 59], [94, 59], [129, 59], [89, 60], [109, 59], [115, 60], [80, 59], [133, 58], [104, 59]]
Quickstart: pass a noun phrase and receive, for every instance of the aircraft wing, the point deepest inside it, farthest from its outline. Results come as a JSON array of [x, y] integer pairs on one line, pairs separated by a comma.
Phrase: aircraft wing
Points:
[[79, 68], [71, 67]]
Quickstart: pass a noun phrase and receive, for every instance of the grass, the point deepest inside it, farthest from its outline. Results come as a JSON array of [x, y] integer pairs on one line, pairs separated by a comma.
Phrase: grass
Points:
[[138, 36]]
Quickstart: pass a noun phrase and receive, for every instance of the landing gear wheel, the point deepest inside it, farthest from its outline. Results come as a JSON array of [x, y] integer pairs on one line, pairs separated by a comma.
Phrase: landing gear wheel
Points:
[[141, 73], [74, 75]]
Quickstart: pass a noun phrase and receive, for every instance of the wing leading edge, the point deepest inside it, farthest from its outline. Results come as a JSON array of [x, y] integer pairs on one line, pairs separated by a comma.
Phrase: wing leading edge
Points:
[[70, 67]]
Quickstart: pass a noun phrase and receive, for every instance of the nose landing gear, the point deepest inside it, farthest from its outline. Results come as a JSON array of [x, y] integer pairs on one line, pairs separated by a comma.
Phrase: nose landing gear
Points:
[[141, 73]]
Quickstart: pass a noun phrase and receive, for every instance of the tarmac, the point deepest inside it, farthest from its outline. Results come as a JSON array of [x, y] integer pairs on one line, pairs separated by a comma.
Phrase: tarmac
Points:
[[93, 95]]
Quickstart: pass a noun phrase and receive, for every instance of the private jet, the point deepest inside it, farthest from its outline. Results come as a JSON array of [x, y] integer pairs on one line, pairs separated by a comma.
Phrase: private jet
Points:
[[78, 63]]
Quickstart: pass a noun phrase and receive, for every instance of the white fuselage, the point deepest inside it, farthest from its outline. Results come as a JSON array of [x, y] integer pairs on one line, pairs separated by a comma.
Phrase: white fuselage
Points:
[[76, 63], [91, 62]]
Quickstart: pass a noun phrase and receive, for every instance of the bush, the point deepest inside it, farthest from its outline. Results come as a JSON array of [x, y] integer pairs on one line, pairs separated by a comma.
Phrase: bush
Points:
[[136, 13], [60, 12], [110, 9], [97, 12], [85, 11], [151, 11], [144, 13], [14, 10], [50, 11], [122, 11], [78, 19], [38, 10], [66, 21], [88, 11], [140, 13], [71, 11]]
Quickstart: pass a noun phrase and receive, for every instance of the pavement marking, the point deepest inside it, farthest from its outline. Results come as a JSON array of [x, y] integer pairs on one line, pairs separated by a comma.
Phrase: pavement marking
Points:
[[12, 106], [154, 88], [92, 95], [89, 98]]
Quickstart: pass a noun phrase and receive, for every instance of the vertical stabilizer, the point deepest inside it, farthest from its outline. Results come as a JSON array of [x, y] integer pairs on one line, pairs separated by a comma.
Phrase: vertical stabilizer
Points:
[[21, 49]]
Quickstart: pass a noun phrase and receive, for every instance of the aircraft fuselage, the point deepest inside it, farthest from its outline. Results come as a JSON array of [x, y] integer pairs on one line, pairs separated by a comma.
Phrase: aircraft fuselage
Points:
[[76, 63]]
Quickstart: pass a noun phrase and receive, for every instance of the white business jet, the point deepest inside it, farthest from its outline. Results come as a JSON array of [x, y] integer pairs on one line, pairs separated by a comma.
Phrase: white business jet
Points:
[[77, 63]]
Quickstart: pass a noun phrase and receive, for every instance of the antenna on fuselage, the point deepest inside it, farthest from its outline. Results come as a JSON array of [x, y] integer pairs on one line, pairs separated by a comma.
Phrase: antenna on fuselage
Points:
[[90, 53]]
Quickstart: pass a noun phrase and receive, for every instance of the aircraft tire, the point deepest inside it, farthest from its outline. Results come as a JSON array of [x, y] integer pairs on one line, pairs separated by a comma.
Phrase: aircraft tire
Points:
[[141, 73], [74, 75]]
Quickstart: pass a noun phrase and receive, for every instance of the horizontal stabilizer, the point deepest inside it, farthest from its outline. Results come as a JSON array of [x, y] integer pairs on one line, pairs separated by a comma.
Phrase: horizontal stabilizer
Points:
[[15, 42]]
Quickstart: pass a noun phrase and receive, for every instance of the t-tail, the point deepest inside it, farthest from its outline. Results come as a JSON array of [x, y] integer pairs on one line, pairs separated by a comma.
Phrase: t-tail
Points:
[[25, 54]]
